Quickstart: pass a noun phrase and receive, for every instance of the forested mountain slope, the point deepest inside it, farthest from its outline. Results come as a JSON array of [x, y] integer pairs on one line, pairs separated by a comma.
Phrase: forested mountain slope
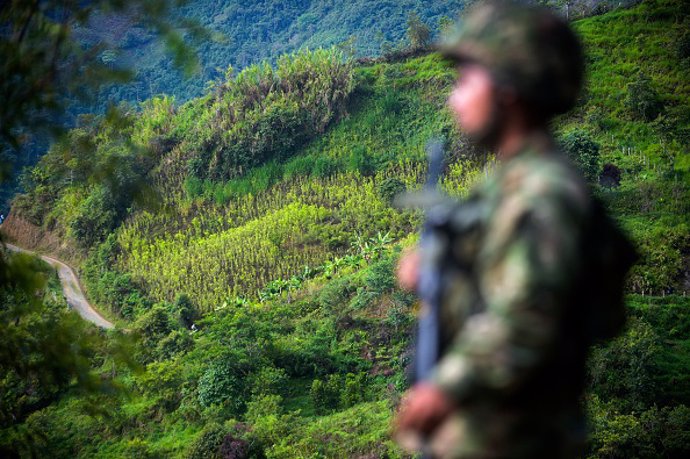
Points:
[[272, 232], [249, 32]]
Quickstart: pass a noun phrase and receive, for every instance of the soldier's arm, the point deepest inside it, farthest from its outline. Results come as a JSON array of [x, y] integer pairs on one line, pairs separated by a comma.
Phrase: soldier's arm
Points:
[[525, 269]]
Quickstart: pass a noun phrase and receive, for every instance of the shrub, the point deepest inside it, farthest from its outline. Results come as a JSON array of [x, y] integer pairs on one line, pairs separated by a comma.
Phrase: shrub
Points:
[[614, 435], [398, 319], [185, 310], [389, 188], [234, 448], [119, 292], [325, 394], [653, 433], [208, 443], [661, 268], [136, 447], [95, 219], [318, 348], [360, 160], [380, 277], [642, 99], [223, 383], [335, 293], [675, 437], [626, 368], [155, 324], [177, 341], [584, 151], [354, 390], [610, 176], [269, 425], [683, 45], [268, 380]]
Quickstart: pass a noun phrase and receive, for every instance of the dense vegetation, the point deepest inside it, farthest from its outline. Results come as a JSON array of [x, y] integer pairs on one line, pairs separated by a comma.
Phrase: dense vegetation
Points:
[[121, 39], [250, 32], [280, 256], [50, 72]]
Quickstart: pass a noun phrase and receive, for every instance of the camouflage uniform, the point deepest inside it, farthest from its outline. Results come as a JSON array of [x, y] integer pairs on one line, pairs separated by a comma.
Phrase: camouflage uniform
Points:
[[513, 341], [517, 309]]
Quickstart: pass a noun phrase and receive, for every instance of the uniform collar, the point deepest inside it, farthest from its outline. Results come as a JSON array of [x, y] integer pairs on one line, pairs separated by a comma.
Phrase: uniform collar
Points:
[[539, 142]]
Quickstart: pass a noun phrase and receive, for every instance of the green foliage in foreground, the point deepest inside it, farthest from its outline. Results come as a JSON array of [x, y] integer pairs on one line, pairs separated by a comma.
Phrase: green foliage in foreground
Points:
[[47, 352], [309, 361]]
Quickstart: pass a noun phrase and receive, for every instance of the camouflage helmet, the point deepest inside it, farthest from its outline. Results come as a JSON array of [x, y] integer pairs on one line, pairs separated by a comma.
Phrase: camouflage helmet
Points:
[[527, 48]]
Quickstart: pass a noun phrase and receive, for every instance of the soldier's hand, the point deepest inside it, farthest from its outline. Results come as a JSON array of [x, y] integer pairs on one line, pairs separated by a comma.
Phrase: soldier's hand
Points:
[[423, 408], [408, 269]]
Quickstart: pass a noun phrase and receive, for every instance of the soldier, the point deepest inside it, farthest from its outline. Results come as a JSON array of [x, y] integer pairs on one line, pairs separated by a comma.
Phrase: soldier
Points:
[[532, 281]]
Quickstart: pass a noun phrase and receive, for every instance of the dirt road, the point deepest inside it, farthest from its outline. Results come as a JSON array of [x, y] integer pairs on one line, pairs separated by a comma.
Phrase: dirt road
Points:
[[71, 289]]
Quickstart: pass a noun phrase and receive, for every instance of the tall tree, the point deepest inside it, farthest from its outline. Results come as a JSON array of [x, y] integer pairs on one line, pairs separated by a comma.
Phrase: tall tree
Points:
[[418, 33]]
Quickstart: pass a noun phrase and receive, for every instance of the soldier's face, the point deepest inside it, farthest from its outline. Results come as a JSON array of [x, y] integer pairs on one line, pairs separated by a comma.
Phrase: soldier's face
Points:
[[473, 102]]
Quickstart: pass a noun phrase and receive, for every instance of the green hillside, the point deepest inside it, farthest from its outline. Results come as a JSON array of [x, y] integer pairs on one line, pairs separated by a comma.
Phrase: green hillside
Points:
[[261, 214], [240, 33]]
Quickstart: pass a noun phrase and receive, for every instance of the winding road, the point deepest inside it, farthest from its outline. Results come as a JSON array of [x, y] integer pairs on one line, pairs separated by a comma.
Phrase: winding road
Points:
[[71, 289]]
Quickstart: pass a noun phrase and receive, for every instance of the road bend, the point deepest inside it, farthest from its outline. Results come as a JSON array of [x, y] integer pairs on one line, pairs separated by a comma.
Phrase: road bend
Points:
[[71, 288]]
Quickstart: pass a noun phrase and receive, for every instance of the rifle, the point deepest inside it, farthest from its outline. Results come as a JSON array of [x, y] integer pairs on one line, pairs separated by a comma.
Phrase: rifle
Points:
[[446, 221], [428, 287], [429, 283]]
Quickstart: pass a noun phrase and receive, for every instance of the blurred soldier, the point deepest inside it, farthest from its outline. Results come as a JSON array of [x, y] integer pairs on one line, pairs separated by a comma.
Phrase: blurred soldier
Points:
[[535, 276]]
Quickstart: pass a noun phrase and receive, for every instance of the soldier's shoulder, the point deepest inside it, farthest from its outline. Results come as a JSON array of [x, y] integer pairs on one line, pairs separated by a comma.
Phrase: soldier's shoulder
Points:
[[544, 176]]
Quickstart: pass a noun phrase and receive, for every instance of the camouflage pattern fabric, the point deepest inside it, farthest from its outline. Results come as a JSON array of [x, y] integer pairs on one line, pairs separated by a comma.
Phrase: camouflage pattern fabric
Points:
[[513, 343]]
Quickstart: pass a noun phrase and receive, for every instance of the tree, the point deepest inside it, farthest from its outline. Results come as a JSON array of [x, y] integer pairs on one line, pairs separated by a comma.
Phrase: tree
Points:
[[95, 219], [626, 369], [445, 25], [108, 57], [223, 382], [325, 395], [185, 310], [683, 45], [418, 33], [45, 349], [208, 443]]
